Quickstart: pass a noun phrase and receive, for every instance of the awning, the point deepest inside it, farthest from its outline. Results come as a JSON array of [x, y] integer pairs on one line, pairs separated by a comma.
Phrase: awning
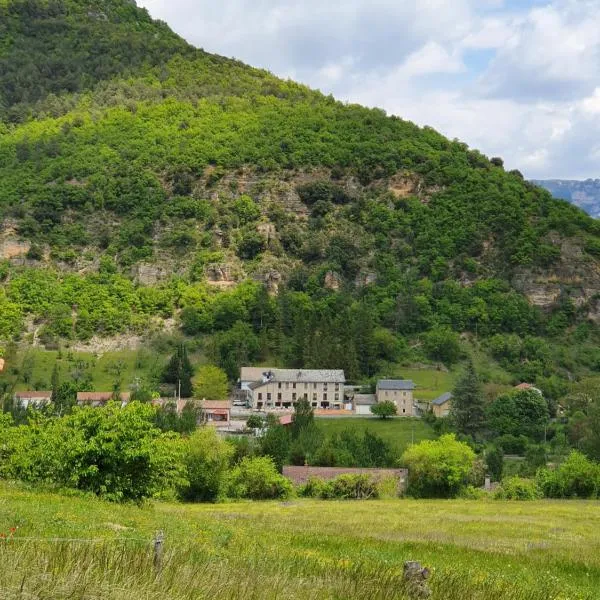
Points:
[[218, 411]]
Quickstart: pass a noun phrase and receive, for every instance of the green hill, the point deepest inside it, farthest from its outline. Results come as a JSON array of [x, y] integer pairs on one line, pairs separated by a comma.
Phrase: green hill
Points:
[[146, 185]]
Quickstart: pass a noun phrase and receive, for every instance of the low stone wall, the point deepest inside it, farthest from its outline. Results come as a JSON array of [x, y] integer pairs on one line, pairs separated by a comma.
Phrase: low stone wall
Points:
[[300, 475]]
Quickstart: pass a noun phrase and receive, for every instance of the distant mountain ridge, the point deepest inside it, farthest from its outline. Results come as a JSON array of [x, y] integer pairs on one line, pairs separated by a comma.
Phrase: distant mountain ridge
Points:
[[584, 194]]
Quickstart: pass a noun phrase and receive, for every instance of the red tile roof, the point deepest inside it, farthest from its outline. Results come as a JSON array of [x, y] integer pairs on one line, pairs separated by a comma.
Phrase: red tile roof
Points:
[[216, 404], [33, 395], [100, 396]]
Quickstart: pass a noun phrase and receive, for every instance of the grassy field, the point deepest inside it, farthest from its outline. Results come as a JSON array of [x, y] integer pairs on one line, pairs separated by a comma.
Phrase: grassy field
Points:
[[478, 550], [399, 432], [103, 370]]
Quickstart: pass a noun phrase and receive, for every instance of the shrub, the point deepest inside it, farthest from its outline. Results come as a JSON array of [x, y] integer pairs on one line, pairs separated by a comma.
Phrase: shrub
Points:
[[206, 460], [349, 487], [576, 477], [258, 479], [354, 487], [511, 444], [517, 488], [316, 488], [438, 468]]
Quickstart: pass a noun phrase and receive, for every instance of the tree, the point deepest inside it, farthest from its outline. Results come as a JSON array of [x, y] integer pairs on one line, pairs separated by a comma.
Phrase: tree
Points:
[[237, 347], [303, 417], [210, 383], [65, 398], [179, 372], [384, 409], [467, 411], [54, 382], [494, 459], [206, 458], [438, 468], [276, 444], [441, 343], [255, 422], [524, 412]]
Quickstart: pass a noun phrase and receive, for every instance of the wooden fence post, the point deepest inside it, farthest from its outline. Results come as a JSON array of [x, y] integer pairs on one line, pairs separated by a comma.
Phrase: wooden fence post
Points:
[[159, 539]]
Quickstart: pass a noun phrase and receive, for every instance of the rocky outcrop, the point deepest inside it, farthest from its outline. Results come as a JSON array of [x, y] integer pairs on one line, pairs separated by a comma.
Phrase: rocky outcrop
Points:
[[333, 280], [148, 274]]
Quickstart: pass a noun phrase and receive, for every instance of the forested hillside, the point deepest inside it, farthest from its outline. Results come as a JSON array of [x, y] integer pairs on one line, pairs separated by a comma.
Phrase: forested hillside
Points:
[[146, 184]]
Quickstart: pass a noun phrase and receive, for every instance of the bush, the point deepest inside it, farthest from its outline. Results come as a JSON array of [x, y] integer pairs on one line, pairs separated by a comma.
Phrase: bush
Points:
[[511, 444], [354, 487], [316, 488], [349, 487], [258, 479], [517, 488], [438, 468], [206, 459], [576, 477]]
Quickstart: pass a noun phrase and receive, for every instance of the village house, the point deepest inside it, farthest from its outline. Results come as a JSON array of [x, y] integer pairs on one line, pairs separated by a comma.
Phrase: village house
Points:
[[216, 412], [33, 398], [100, 398], [278, 389], [400, 392], [441, 406]]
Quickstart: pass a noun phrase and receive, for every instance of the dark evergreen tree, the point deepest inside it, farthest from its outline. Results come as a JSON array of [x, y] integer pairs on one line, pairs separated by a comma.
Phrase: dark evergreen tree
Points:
[[179, 372], [468, 411], [55, 382]]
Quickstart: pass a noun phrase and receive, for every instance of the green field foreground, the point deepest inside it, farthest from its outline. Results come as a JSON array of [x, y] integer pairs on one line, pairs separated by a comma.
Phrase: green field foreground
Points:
[[297, 549]]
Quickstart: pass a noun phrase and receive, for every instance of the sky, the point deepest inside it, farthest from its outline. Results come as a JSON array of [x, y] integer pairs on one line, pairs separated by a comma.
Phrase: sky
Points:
[[518, 79]]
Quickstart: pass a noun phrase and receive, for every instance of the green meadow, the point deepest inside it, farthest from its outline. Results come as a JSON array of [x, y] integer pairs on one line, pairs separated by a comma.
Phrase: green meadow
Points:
[[399, 432], [82, 548]]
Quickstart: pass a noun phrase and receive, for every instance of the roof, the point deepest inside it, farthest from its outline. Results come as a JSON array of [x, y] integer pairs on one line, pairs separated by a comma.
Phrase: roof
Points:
[[442, 399], [396, 384], [257, 375], [216, 404], [253, 373], [364, 399], [523, 386], [33, 395], [100, 396]]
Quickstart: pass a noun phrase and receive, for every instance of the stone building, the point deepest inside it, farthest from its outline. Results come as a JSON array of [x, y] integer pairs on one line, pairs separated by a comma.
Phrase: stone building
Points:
[[272, 389], [400, 392]]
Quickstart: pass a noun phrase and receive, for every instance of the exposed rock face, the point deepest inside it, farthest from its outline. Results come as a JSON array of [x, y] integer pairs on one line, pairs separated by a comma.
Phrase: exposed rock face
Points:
[[273, 281], [574, 274], [365, 278], [333, 281], [147, 274], [12, 248]]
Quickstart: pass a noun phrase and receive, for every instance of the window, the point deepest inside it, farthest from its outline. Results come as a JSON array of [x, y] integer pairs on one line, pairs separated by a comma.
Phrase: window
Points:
[[306, 396], [314, 386], [337, 387], [325, 386], [314, 405], [278, 396], [314, 397], [337, 397], [287, 385], [294, 385], [260, 396], [324, 397], [279, 385], [293, 397], [268, 395], [305, 386]]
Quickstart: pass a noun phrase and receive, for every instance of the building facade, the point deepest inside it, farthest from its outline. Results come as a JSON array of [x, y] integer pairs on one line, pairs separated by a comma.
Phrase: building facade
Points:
[[441, 406], [274, 389], [400, 392]]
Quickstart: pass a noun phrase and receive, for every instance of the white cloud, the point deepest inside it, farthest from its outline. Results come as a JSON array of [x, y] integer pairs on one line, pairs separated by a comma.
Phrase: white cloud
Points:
[[515, 79]]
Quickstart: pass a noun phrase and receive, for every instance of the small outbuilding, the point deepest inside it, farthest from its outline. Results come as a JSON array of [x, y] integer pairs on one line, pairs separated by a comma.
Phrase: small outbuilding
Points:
[[217, 412], [363, 403], [441, 405]]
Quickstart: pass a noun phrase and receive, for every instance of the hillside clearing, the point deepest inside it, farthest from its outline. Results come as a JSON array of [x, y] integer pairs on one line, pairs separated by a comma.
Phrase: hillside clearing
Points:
[[299, 549]]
